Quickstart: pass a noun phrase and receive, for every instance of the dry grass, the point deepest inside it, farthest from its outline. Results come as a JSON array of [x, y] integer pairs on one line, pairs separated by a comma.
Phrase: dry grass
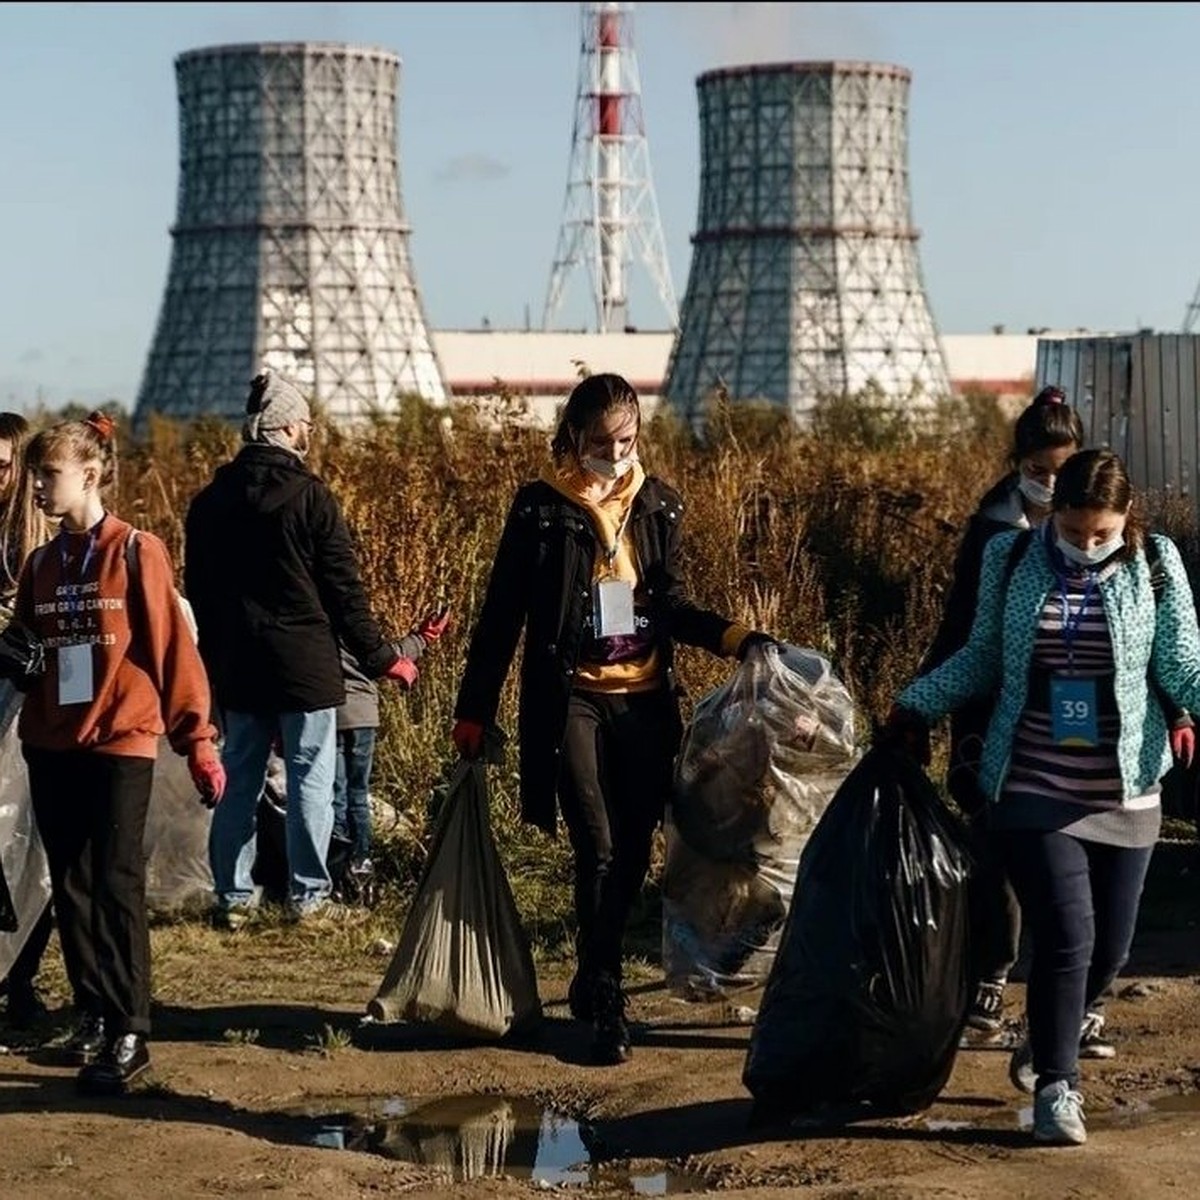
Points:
[[840, 539]]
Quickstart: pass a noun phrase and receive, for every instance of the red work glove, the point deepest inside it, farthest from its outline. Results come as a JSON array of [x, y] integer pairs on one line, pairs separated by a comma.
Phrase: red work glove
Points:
[[467, 737], [403, 671], [905, 731], [208, 774], [1183, 743], [433, 626]]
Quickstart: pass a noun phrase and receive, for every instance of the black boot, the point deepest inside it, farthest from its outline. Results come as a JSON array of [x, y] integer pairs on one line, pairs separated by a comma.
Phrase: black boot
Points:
[[124, 1059], [25, 1007], [86, 1042], [579, 994], [610, 1045]]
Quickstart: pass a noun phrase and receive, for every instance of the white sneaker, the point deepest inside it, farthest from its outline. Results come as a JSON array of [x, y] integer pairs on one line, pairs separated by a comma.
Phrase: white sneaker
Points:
[[1058, 1115]]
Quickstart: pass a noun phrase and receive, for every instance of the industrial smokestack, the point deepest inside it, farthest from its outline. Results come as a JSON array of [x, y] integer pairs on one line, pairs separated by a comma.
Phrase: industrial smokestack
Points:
[[805, 283], [290, 246]]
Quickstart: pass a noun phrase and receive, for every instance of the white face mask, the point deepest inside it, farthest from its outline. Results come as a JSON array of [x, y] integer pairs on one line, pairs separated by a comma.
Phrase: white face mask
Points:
[[607, 468], [1037, 493], [1092, 557]]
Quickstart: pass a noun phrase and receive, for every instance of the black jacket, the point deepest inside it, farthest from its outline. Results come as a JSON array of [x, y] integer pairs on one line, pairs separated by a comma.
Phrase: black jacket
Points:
[[270, 570], [541, 583]]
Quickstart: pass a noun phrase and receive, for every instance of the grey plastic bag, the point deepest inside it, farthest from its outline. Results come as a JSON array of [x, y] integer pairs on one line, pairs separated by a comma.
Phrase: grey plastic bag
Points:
[[463, 963]]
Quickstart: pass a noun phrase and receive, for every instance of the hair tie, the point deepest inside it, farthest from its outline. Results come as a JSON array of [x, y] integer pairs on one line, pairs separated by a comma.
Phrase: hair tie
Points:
[[103, 424], [1051, 395]]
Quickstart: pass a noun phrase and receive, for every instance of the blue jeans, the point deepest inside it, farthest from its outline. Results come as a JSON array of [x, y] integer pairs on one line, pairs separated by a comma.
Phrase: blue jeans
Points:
[[309, 750], [352, 790], [1079, 901]]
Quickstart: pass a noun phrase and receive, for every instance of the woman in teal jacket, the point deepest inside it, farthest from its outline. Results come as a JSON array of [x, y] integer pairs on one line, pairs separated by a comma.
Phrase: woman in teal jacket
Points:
[[1077, 744]]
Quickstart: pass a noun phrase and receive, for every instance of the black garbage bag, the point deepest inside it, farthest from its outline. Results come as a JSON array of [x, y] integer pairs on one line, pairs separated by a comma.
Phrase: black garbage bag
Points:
[[868, 993]]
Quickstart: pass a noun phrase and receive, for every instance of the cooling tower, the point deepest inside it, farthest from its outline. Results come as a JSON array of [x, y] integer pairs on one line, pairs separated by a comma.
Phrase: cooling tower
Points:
[[290, 245], [805, 282]]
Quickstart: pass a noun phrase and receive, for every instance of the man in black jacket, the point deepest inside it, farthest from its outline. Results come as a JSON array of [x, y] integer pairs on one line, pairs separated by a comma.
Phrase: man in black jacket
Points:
[[271, 573]]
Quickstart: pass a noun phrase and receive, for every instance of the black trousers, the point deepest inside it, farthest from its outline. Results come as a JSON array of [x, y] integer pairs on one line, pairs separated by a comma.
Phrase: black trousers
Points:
[[25, 966], [91, 812], [618, 757]]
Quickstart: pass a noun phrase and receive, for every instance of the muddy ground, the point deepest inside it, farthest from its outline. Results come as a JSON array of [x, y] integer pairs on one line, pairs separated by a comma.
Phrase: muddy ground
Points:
[[258, 1058]]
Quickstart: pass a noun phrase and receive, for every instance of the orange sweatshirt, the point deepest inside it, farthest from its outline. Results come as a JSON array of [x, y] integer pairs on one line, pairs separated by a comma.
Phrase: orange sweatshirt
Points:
[[147, 678]]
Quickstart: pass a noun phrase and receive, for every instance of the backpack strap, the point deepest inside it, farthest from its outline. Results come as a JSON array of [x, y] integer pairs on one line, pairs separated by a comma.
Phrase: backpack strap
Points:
[[133, 568], [1020, 543]]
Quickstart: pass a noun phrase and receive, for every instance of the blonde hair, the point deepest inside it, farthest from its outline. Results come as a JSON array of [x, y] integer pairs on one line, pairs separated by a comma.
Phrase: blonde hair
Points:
[[87, 441], [23, 526]]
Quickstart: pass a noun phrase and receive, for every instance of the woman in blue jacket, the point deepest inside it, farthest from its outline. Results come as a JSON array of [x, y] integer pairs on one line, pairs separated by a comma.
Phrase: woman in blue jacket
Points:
[[1076, 650]]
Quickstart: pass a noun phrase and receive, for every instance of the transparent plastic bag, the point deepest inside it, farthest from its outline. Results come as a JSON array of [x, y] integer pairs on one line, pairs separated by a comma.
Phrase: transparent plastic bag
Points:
[[761, 758], [22, 856]]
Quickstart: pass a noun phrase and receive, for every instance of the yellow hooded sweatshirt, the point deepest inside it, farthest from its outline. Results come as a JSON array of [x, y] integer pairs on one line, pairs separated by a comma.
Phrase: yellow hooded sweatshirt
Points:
[[634, 666]]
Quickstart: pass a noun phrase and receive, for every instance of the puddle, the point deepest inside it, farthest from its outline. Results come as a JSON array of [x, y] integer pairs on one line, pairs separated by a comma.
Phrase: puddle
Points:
[[475, 1137]]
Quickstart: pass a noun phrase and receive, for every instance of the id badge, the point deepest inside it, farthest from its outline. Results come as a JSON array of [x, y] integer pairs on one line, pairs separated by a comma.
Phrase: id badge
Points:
[[75, 674], [612, 607], [1073, 708]]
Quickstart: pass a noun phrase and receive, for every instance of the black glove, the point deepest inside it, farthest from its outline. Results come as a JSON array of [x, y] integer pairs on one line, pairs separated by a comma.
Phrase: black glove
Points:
[[22, 655], [751, 640], [906, 732]]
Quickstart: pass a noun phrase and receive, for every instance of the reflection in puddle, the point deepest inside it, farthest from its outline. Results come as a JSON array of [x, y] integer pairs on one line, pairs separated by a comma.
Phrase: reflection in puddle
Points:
[[473, 1137]]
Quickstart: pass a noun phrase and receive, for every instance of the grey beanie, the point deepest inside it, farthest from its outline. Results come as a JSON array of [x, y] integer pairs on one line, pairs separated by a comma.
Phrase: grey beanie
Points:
[[273, 404]]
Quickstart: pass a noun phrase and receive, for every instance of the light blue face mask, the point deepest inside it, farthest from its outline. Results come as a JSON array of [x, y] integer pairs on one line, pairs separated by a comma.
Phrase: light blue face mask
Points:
[[1088, 558]]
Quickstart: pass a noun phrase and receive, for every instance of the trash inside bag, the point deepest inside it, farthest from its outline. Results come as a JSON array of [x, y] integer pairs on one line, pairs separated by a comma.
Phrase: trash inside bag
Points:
[[463, 963], [868, 993], [761, 759]]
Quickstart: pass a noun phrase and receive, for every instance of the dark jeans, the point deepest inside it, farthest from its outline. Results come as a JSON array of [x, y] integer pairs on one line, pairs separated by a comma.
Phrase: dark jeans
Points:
[[1080, 904], [352, 790], [91, 813], [618, 757]]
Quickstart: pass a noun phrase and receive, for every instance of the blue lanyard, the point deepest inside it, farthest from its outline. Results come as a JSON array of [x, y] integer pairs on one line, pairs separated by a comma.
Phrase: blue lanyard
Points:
[[87, 556], [1072, 621]]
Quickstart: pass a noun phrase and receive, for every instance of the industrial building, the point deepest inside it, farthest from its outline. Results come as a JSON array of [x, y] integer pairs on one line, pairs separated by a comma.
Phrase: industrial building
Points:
[[541, 368]]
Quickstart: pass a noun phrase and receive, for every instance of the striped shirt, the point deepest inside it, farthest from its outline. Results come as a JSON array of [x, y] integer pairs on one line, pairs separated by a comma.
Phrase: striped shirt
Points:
[[1077, 788]]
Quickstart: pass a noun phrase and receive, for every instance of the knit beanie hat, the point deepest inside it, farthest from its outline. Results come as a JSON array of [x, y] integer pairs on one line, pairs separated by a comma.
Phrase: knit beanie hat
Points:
[[273, 403]]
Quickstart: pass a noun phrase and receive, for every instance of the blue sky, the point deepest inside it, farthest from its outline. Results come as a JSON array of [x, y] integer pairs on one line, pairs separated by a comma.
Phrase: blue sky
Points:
[[1054, 154]]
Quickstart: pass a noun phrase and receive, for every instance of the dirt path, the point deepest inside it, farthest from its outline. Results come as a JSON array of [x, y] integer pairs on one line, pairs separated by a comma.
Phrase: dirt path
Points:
[[249, 1048]]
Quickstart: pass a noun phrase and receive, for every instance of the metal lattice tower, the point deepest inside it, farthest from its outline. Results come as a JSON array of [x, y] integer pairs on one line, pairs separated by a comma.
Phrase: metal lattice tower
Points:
[[805, 282], [290, 245], [610, 210]]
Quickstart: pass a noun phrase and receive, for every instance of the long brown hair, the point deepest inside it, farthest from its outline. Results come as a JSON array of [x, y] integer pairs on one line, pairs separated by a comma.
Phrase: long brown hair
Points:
[[23, 526], [1098, 479], [590, 399]]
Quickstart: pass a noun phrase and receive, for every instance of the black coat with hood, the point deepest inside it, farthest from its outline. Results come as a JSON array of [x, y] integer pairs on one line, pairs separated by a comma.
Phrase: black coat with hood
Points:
[[270, 570], [541, 583]]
